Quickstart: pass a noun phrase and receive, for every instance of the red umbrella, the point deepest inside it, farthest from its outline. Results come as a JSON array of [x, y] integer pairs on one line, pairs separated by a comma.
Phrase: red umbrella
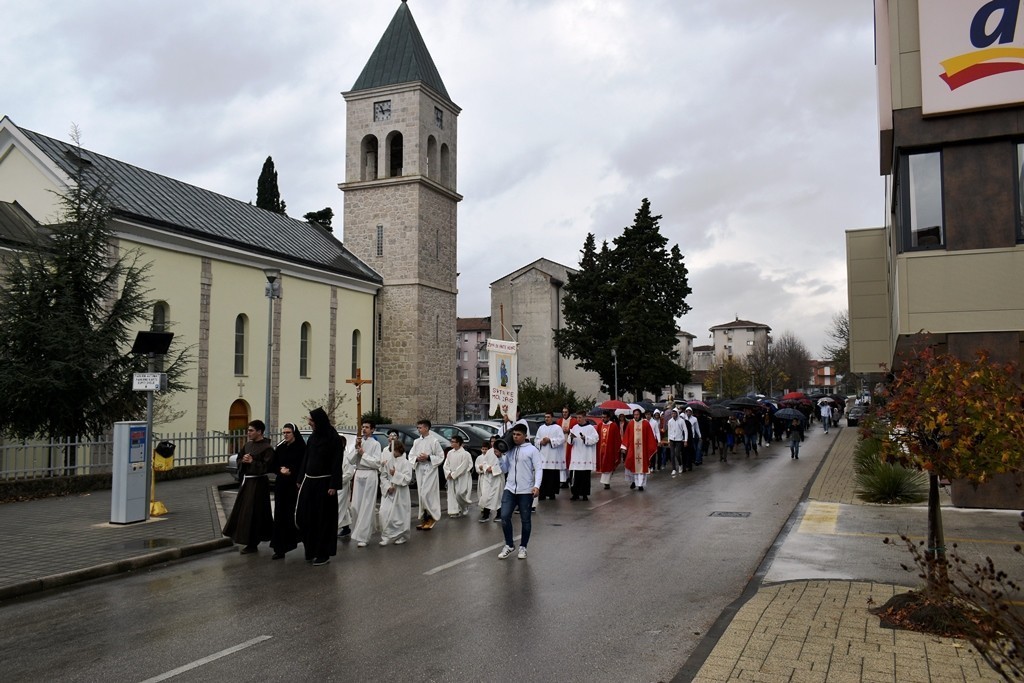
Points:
[[612, 404], [793, 395]]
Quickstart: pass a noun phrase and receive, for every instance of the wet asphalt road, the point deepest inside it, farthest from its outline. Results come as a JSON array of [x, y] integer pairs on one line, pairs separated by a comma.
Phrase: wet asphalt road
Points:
[[621, 588]]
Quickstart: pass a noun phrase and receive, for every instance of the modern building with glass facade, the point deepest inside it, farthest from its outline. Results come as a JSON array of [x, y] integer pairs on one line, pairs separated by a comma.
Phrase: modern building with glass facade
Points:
[[951, 146]]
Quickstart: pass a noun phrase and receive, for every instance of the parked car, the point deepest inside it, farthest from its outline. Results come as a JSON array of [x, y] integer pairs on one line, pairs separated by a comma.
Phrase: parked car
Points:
[[855, 415], [475, 440], [350, 440], [492, 427]]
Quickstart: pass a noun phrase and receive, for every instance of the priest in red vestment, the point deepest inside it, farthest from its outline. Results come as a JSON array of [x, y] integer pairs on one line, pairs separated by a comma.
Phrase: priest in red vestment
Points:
[[639, 444], [608, 454]]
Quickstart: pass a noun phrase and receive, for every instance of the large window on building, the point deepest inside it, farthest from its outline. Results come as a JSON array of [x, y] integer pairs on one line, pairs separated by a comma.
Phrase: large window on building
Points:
[[920, 201], [305, 332], [241, 329], [355, 352], [1020, 191]]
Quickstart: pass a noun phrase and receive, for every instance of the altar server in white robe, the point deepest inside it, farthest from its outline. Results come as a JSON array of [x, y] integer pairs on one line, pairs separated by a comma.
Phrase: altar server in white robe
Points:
[[458, 470], [550, 441], [395, 502], [348, 471], [490, 482], [365, 460], [584, 439], [427, 455]]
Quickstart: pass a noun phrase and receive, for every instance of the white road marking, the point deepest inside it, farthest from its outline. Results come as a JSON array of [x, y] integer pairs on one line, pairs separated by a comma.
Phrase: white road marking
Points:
[[466, 558], [206, 660], [594, 507]]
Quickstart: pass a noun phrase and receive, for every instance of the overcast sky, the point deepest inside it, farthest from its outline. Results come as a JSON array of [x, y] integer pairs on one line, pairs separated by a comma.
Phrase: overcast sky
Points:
[[750, 125]]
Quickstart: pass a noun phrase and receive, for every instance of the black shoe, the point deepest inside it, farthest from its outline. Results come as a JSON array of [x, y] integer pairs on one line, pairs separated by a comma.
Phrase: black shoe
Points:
[[321, 561], [278, 556], [607, 486], [564, 485], [248, 550], [575, 498], [640, 489], [632, 485], [345, 532], [585, 498]]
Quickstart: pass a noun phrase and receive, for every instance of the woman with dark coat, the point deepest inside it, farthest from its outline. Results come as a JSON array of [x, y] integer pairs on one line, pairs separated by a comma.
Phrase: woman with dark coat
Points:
[[316, 512], [286, 463]]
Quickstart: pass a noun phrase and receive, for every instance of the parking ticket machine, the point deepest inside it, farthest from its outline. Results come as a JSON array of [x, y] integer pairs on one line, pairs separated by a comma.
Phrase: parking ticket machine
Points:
[[129, 496]]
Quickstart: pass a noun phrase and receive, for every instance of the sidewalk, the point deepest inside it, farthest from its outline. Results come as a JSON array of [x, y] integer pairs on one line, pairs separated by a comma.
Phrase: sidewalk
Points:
[[821, 631], [59, 541]]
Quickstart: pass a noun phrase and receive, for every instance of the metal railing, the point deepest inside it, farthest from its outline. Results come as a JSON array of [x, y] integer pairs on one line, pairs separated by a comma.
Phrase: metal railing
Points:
[[67, 457]]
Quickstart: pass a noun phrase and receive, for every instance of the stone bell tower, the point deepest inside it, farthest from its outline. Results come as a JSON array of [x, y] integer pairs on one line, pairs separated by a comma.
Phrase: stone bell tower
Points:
[[400, 219]]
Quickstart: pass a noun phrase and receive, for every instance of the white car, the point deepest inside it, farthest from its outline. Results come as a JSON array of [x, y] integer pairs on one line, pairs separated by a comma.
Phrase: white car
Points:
[[492, 427]]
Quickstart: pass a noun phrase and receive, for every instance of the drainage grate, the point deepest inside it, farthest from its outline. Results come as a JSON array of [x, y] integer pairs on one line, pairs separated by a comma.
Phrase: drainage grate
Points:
[[729, 514]]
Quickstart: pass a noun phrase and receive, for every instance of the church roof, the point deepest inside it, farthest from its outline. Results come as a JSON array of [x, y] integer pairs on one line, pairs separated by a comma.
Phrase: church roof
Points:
[[149, 197], [401, 56], [17, 228]]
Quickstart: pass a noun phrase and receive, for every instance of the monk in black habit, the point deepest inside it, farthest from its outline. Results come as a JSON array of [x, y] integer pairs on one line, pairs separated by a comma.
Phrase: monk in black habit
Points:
[[250, 520], [316, 512]]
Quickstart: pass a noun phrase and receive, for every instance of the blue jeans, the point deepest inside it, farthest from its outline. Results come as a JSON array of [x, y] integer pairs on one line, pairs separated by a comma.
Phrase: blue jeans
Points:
[[509, 502], [698, 451]]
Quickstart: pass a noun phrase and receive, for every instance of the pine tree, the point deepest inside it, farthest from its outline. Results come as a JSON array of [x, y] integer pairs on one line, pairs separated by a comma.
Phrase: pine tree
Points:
[[267, 195], [322, 217], [628, 298]]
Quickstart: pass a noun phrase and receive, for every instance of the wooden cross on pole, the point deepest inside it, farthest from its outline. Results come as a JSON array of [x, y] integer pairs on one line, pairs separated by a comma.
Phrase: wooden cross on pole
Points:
[[359, 382]]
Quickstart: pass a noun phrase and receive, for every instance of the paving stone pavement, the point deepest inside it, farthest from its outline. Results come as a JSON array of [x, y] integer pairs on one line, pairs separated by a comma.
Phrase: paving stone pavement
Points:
[[821, 631]]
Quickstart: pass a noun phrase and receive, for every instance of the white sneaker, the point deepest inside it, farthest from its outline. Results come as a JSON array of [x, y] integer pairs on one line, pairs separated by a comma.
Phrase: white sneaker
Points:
[[383, 543], [400, 541], [505, 552], [361, 544], [673, 473], [522, 552]]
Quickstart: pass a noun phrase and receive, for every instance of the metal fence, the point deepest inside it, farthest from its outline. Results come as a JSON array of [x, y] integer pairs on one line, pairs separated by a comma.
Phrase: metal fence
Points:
[[38, 459]]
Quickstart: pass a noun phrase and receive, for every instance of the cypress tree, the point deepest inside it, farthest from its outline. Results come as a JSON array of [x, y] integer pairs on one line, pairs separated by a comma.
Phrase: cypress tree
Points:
[[267, 195]]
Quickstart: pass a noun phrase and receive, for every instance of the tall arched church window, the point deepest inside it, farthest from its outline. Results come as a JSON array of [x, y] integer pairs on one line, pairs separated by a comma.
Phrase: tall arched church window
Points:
[[433, 170], [355, 352], [305, 333], [395, 146], [161, 323], [368, 157], [241, 343], [446, 170]]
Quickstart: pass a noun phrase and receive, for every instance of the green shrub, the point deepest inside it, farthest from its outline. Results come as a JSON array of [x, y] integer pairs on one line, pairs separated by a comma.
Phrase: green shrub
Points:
[[880, 482], [865, 454]]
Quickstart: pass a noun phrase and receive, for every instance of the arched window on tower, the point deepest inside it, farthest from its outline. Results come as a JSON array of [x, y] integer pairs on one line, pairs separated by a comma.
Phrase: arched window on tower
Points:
[[161, 323], [446, 170], [305, 333], [395, 154], [241, 342], [433, 170], [368, 156], [355, 352]]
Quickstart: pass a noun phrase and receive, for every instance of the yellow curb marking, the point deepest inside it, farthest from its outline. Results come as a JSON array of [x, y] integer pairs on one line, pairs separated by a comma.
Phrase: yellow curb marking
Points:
[[819, 518]]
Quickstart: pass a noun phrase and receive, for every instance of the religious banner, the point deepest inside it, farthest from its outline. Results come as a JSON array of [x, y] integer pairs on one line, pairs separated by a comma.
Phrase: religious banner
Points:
[[504, 371]]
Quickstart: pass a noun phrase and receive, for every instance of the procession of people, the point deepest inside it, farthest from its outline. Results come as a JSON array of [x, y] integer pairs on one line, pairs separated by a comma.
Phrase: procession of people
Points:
[[325, 492]]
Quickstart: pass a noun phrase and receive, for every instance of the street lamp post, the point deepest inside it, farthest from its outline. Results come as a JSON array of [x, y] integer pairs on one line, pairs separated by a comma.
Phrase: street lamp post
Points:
[[516, 328], [615, 363], [272, 291]]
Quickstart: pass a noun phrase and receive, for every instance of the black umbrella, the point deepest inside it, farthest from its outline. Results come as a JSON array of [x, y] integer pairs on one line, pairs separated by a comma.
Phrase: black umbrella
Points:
[[744, 402], [698, 407], [788, 414], [720, 411]]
